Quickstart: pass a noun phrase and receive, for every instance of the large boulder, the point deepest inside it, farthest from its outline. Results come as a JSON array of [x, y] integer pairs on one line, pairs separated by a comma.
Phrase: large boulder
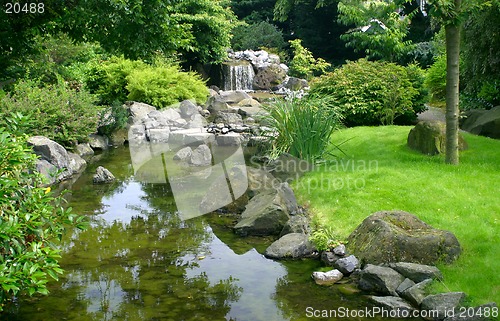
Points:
[[417, 272], [442, 303], [138, 111], [98, 142], [290, 246], [265, 214], [269, 76], [380, 279], [397, 236], [429, 137], [483, 122]]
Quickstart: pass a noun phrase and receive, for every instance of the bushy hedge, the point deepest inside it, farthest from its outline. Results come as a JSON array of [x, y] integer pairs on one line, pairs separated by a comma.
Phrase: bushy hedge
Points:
[[435, 80], [55, 111], [160, 84], [32, 219], [373, 92], [257, 35]]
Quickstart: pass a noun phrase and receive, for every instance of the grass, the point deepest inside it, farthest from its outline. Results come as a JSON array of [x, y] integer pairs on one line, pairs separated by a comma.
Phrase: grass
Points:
[[379, 172]]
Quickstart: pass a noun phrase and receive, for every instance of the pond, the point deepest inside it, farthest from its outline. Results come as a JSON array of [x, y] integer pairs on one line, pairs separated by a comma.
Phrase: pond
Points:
[[140, 261]]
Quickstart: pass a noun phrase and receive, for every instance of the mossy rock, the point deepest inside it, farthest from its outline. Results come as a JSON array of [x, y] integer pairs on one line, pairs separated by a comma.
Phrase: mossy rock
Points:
[[397, 236], [429, 137]]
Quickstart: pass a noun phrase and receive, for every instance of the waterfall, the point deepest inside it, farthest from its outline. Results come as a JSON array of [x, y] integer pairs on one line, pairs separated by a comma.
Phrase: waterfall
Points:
[[238, 75]]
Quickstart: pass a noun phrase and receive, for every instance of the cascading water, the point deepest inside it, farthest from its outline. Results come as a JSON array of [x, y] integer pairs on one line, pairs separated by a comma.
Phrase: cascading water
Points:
[[238, 75]]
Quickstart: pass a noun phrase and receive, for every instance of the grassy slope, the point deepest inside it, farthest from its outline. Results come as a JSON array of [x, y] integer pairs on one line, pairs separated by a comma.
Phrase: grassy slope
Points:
[[464, 200]]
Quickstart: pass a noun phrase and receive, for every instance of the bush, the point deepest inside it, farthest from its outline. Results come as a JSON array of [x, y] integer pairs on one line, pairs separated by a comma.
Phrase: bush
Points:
[[372, 93], [303, 64], [256, 36], [56, 111], [32, 220], [303, 127], [163, 85], [435, 80]]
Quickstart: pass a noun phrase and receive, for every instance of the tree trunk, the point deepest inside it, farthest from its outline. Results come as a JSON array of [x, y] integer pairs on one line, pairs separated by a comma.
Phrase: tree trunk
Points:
[[452, 89]]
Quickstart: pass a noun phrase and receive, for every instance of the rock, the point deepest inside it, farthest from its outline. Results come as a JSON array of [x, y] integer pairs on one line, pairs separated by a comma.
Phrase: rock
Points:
[[76, 164], [118, 137], [171, 116], [483, 122], [159, 135], [406, 284], [249, 102], [216, 104], [228, 118], [417, 272], [152, 123], [194, 136], [197, 121], [392, 303], [259, 180], [184, 154], [295, 84], [188, 109], [329, 258], [201, 156], [296, 224], [103, 176], [429, 137], [98, 142], [253, 112], [416, 293], [287, 167], [379, 279], [48, 170], [265, 214], [347, 265], [289, 198], [442, 303], [84, 150], [290, 246], [49, 150], [269, 76], [137, 135], [397, 236], [480, 313], [327, 278], [234, 96], [138, 111], [340, 250], [230, 139]]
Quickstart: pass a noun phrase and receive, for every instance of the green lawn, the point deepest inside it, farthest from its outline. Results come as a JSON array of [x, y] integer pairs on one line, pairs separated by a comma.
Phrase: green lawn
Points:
[[381, 173]]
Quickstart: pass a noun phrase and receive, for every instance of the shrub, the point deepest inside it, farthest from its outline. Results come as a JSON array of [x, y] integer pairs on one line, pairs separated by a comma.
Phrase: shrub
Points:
[[256, 36], [325, 239], [435, 80], [31, 220], [56, 111], [164, 85], [303, 127], [372, 93], [303, 64]]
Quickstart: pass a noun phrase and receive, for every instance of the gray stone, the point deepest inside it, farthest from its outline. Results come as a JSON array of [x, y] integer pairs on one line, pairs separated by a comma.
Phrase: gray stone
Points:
[[180, 123], [228, 118], [76, 164], [249, 102], [84, 150], [184, 154], [49, 150], [340, 250], [230, 139], [329, 257], [476, 314], [289, 198], [295, 84], [406, 284], [417, 272], [98, 142], [137, 134], [188, 109], [201, 156], [269, 76], [483, 122], [429, 137], [234, 96], [193, 136], [138, 111], [392, 303], [379, 279], [118, 137], [347, 265], [197, 121], [103, 176], [216, 104], [416, 293], [151, 123], [48, 170], [290, 246], [296, 224], [442, 302], [397, 236], [327, 278], [171, 115], [259, 180], [159, 135], [253, 111], [265, 214]]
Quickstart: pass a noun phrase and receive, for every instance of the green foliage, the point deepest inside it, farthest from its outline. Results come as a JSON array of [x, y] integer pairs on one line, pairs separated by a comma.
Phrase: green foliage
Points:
[[56, 111], [372, 93], [324, 239], [112, 118], [435, 81], [31, 220], [303, 127], [164, 85], [303, 64], [256, 36]]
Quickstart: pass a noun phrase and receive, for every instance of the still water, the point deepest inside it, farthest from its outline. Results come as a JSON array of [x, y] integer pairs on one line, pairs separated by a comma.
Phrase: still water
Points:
[[139, 261]]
